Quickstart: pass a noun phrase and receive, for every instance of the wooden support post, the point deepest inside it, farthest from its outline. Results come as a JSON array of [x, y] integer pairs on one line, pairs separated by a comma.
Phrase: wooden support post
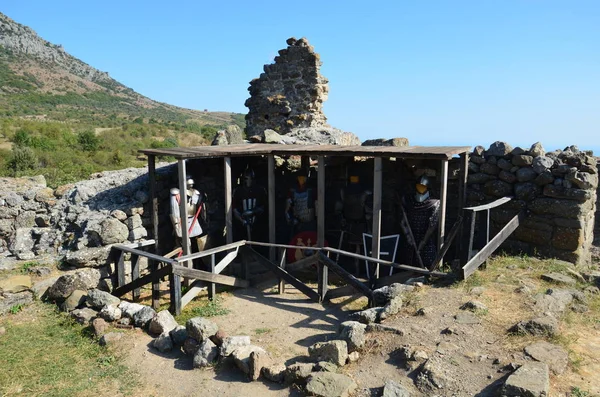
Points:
[[121, 270], [468, 236], [211, 286], [323, 275], [283, 253], [462, 182], [152, 264], [135, 274], [271, 195], [443, 199], [175, 292], [377, 187], [185, 239], [228, 208]]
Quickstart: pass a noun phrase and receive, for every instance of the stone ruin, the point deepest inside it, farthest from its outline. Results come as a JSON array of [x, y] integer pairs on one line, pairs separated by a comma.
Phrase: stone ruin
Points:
[[286, 101], [558, 190]]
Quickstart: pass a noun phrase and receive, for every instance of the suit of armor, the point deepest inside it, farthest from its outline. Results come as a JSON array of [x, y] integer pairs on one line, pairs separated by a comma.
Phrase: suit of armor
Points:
[[248, 201]]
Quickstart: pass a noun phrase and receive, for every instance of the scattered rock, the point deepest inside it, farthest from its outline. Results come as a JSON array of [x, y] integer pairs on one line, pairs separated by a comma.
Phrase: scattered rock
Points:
[[424, 311], [2, 331], [99, 326], [432, 376], [394, 389], [201, 328], [206, 354], [130, 309], [110, 313], [163, 343], [474, 306], [580, 308], [110, 338], [241, 356], [142, 317], [558, 278], [82, 279], [83, 316], [298, 373], [275, 372], [353, 357], [258, 360], [75, 301], [7, 301], [391, 308], [327, 384], [541, 326], [179, 335], [385, 328], [191, 346], [230, 343], [477, 291], [369, 316], [383, 295], [335, 351], [162, 322], [98, 299], [218, 337], [353, 333], [325, 366], [555, 356], [531, 380], [467, 318]]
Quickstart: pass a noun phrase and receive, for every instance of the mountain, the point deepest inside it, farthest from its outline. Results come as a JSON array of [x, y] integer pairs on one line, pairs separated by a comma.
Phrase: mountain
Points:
[[64, 119], [39, 78]]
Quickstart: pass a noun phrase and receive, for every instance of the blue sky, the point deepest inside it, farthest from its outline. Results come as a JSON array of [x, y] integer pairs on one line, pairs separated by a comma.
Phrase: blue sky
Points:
[[436, 72]]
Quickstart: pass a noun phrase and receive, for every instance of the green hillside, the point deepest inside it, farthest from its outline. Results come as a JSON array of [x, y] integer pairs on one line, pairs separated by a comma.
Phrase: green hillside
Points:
[[64, 119]]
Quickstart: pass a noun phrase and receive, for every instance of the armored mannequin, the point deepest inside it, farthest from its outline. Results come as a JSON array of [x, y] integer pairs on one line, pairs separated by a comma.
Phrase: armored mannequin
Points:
[[423, 218], [300, 206], [196, 212], [248, 201], [353, 207]]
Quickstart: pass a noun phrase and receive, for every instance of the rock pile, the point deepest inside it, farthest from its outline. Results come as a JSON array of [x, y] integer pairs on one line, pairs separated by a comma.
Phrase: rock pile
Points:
[[75, 223], [557, 188], [286, 101]]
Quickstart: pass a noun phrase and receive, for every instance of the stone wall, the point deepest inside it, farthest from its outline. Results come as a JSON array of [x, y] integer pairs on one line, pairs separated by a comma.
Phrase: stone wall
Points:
[[557, 189]]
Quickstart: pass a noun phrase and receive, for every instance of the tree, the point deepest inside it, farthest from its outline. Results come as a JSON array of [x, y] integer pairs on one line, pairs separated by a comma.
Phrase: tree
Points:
[[88, 141]]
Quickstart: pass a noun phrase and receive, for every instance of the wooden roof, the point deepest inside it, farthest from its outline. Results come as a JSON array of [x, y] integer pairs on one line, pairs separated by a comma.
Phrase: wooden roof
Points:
[[256, 149]]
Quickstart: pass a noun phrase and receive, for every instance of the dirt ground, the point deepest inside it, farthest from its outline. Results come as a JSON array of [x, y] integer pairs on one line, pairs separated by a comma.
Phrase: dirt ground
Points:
[[473, 357]]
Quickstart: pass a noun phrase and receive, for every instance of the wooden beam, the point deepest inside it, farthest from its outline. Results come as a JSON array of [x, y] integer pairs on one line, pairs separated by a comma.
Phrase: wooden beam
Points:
[[347, 277], [121, 270], [304, 262], [346, 290], [209, 252], [143, 253], [377, 194], [140, 282], [175, 293], [135, 274], [195, 288], [228, 199], [152, 264], [212, 291], [210, 277], [185, 239], [443, 199], [494, 243], [223, 263], [453, 232], [272, 206], [323, 275], [384, 262], [281, 273]]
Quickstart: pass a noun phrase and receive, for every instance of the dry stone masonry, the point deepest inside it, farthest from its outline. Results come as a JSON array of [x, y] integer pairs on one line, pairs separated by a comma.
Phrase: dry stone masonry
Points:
[[286, 101], [557, 189]]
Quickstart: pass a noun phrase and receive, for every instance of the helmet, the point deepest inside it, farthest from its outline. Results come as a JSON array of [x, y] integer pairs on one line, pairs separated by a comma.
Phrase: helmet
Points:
[[422, 189], [189, 181]]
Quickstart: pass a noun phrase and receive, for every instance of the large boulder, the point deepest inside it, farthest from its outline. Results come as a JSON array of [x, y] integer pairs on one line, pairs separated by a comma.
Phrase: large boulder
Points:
[[162, 322], [231, 343], [143, 317], [98, 299], [82, 279], [353, 333], [531, 380], [335, 351], [113, 231], [206, 354], [328, 384], [201, 328], [241, 356]]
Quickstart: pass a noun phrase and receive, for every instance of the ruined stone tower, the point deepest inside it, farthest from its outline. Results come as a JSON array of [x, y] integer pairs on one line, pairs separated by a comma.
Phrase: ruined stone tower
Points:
[[287, 100]]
